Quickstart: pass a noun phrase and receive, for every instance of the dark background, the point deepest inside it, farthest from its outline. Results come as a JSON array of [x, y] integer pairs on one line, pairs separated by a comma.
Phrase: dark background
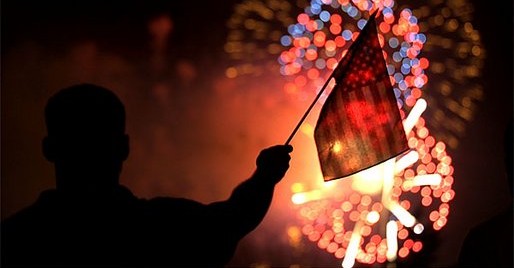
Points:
[[182, 112]]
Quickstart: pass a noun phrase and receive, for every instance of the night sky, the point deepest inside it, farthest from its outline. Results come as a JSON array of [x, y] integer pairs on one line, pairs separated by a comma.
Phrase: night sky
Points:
[[183, 113]]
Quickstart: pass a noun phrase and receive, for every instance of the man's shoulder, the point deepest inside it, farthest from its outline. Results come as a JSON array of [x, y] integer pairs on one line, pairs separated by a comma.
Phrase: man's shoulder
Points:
[[33, 210], [501, 222], [15, 219]]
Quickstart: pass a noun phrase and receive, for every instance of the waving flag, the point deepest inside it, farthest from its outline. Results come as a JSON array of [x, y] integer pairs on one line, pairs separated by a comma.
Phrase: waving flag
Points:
[[359, 125]]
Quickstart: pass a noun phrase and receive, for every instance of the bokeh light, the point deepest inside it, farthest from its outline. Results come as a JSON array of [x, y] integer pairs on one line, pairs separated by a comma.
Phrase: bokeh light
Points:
[[160, 75], [318, 43], [457, 55], [255, 33], [443, 30], [423, 177], [418, 39], [312, 42], [417, 197]]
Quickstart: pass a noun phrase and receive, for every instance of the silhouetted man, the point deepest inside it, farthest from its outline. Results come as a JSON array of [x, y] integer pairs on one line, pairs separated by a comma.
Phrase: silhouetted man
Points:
[[90, 219]]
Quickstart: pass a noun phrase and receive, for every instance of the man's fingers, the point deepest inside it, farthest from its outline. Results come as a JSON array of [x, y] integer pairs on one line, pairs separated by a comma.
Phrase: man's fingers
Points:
[[281, 148], [288, 148]]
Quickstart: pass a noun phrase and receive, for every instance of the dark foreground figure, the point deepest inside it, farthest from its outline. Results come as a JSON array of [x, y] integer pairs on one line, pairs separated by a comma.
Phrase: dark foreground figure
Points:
[[490, 244], [90, 219]]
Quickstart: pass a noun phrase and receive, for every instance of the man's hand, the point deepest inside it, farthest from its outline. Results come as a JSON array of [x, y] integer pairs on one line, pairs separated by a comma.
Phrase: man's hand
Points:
[[273, 162]]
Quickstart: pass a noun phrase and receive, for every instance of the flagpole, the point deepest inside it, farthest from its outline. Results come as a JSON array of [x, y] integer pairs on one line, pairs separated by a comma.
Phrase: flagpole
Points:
[[308, 110]]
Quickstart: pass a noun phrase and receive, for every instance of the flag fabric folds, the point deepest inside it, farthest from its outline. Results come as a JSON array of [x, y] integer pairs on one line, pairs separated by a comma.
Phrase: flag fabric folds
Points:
[[359, 125]]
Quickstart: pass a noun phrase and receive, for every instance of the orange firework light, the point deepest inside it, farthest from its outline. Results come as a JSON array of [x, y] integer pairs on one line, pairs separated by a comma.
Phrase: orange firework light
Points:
[[370, 218]]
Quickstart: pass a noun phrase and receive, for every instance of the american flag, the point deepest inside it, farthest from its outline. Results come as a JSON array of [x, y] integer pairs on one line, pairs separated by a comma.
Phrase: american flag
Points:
[[359, 125]]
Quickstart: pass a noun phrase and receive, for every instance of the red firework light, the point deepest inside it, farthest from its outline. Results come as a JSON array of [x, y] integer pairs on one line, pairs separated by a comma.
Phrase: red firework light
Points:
[[365, 207]]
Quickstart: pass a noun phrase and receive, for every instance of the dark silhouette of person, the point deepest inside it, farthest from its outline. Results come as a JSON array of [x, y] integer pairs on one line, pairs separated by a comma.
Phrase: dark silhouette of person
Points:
[[490, 244], [90, 219]]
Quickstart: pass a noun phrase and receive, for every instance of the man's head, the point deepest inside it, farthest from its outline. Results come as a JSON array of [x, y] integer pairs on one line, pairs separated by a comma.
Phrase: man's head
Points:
[[86, 137]]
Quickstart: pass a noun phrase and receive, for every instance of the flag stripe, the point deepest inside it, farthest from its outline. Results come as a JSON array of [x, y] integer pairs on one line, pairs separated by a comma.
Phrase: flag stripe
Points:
[[367, 134], [360, 134], [373, 97], [389, 105]]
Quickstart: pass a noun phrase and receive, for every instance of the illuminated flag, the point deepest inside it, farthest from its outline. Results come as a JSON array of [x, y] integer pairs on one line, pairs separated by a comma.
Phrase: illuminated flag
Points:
[[359, 125]]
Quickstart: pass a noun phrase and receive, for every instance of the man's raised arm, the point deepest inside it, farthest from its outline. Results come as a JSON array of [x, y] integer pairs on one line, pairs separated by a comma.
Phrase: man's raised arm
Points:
[[250, 200]]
